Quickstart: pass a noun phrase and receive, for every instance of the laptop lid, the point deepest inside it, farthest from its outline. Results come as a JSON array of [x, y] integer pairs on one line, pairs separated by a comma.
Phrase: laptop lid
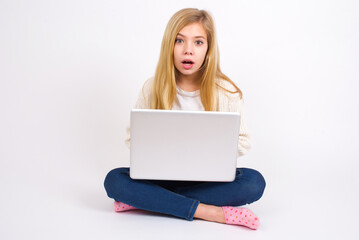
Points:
[[183, 145]]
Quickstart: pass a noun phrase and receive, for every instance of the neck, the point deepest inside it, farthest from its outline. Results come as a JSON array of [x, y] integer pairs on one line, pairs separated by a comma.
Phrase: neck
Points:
[[189, 83]]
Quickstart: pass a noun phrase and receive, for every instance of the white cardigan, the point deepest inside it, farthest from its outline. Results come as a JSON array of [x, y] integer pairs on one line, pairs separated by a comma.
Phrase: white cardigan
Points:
[[226, 102]]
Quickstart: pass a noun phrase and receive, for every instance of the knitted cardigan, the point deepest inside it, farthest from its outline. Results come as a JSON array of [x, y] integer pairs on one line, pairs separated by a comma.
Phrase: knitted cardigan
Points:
[[226, 102]]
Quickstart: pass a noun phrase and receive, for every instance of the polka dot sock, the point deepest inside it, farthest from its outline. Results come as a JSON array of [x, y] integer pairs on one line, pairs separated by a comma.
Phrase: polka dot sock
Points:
[[241, 216], [121, 207]]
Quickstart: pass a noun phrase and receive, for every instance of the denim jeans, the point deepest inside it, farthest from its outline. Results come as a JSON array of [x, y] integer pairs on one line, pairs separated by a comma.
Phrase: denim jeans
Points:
[[181, 198]]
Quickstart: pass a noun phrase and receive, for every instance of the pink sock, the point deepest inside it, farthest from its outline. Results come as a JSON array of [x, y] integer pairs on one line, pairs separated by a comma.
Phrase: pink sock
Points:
[[121, 207], [241, 216]]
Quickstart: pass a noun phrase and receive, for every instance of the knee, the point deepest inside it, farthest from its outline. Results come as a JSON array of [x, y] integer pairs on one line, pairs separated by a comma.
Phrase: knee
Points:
[[255, 184], [259, 185], [113, 181]]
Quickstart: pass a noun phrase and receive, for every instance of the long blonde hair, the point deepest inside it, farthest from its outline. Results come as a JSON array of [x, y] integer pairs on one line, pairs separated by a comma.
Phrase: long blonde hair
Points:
[[164, 84]]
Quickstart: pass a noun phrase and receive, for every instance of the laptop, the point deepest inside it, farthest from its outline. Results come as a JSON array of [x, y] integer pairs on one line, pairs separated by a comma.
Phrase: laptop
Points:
[[184, 145]]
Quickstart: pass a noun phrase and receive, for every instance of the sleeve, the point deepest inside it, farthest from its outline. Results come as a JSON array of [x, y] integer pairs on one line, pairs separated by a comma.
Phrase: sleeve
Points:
[[244, 143], [143, 102]]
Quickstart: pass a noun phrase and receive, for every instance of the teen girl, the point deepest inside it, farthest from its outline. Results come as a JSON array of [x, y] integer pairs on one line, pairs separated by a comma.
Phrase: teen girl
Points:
[[188, 77]]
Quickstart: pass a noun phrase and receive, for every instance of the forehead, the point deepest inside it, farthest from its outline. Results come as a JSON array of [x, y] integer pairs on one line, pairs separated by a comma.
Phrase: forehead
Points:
[[193, 29]]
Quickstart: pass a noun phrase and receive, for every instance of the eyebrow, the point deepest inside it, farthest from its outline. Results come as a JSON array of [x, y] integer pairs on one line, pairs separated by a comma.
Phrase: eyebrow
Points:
[[194, 37]]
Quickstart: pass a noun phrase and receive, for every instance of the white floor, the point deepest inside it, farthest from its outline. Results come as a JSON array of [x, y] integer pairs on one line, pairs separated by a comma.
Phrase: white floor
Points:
[[37, 204]]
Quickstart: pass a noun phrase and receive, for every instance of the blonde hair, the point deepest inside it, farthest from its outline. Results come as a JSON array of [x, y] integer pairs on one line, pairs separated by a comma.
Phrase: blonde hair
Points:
[[164, 84]]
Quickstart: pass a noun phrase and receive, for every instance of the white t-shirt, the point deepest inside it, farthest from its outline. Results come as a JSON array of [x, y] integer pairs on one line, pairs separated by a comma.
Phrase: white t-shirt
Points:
[[188, 101]]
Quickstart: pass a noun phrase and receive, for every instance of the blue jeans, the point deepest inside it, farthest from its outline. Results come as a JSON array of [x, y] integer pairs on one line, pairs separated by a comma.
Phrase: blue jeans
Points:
[[181, 198]]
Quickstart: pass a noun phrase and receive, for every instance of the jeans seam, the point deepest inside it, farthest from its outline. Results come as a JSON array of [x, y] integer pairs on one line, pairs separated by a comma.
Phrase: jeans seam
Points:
[[194, 202]]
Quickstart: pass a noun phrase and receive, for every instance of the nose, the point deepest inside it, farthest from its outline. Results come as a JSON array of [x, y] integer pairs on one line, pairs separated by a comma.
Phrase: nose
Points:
[[188, 53], [188, 50]]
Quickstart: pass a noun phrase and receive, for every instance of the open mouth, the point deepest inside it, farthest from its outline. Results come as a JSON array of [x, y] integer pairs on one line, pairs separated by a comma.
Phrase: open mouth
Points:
[[187, 64]]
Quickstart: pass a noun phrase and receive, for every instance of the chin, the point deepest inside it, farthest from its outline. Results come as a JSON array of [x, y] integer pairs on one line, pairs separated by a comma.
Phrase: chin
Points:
[[188, 73]]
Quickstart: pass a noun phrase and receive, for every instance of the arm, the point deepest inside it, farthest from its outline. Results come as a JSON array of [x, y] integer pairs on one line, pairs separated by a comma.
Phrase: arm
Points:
[[244, 143], [231, 102], [143, 102]]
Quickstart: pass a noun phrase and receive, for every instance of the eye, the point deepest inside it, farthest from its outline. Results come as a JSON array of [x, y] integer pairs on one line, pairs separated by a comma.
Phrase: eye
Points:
[[178, 40], [198, 42]]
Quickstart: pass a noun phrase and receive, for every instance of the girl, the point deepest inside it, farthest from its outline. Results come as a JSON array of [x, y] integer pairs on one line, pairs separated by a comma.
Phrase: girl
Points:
[[188, 77]]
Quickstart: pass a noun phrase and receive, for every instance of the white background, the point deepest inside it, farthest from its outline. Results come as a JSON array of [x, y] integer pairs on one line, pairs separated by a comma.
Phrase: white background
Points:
[[71, 70]]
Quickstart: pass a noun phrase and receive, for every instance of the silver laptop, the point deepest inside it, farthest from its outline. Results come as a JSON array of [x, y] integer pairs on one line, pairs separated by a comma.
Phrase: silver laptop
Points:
[[184, 145]]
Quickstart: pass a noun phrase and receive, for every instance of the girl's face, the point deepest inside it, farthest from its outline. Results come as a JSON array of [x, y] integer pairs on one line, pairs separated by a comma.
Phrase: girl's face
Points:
[[190, 49]]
